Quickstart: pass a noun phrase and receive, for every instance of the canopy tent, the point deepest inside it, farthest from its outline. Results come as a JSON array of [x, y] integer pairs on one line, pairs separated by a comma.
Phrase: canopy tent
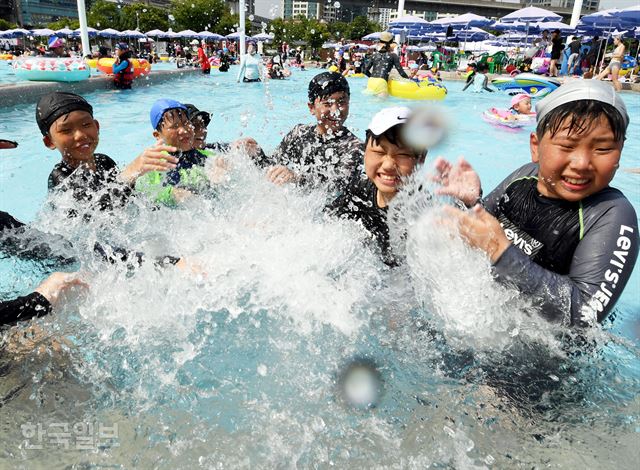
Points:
[[531, 15]]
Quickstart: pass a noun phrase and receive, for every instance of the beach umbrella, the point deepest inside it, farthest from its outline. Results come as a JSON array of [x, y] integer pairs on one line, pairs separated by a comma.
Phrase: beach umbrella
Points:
[[371, 37], [330, 45], [512, 26], [462, 21], [553, 25], [473, 34], [187, 33], [409, 24], [262, 37], [210, 36], [130, 33], [64, 32], [92, 32], [531, 15], [109, 33], [43, 32], [600, 21], [155, 33], [629, 17], [235, 35]]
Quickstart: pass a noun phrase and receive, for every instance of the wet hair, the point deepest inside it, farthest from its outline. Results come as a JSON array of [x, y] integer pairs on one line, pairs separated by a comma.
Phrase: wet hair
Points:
[[326, 84], [582, 114], [168, 111], [394, 136]]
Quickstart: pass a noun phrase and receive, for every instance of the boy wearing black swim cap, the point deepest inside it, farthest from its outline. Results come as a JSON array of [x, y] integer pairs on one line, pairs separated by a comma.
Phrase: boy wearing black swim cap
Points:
[[324, 153], [67, 124], [554, 228]]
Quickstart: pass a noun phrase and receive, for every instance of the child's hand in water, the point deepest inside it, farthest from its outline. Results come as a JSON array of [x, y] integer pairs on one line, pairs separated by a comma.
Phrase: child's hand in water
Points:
[[459, 180], [280, 174], [155, 158], [480, 230], [218, 171], [57, 283]]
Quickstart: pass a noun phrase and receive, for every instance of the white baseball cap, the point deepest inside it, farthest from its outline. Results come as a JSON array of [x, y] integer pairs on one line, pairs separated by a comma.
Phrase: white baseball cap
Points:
[[387, 118]]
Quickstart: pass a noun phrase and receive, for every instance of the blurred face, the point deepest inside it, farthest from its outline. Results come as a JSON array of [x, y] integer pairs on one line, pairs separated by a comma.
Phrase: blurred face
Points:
[[330, 111], [176, 130], [75, 135], [386, 164], [573, 167], [199, 132], [524, 106]]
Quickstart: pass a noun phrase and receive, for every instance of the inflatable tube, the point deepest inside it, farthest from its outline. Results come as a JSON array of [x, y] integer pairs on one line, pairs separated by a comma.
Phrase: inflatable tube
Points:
[[529, 83], [140, 66], [500, 117], [410, 90], [50, 69], [356, 75], [93, 63], [6, 56]]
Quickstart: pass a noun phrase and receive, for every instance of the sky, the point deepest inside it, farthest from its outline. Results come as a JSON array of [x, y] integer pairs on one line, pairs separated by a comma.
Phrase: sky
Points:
[[271, 8]]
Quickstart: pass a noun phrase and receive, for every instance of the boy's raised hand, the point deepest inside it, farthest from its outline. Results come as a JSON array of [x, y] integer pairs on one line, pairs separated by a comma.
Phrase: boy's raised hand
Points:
[[280, 174], [459, 180], [154, 158]]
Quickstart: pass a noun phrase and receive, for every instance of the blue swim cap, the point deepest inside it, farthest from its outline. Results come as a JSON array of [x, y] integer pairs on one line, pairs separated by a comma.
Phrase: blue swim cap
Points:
[[162, 106]]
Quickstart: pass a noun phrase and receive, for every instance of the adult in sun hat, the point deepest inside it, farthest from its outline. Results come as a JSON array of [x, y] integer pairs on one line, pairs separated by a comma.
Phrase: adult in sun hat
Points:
[[555, 230], [378, 68]]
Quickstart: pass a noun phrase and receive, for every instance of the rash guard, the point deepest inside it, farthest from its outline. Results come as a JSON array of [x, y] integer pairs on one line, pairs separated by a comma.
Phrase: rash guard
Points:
[[573, 258], [382, 63]]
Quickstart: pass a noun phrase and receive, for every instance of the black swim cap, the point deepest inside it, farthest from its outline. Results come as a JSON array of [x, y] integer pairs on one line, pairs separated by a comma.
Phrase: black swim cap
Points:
[[325, 84], [193, 112], [50, 107]]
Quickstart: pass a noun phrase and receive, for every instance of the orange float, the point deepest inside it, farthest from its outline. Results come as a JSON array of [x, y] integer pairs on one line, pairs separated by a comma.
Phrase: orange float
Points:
[[140, 66]]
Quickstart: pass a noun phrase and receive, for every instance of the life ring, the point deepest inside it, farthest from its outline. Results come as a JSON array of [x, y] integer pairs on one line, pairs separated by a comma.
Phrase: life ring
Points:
[[501, 117], [6, 56], [410, 90], [140, 66], [50, 69]]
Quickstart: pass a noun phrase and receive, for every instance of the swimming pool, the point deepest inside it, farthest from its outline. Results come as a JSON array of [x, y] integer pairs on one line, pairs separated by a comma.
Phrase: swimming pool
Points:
[[239, 367]]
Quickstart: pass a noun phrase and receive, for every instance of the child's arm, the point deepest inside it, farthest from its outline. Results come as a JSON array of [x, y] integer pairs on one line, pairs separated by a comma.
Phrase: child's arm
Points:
[[117, 68], [155, 158]]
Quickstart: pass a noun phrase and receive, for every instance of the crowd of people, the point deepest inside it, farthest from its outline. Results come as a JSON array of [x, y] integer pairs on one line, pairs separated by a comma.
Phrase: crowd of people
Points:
[[554, 229]]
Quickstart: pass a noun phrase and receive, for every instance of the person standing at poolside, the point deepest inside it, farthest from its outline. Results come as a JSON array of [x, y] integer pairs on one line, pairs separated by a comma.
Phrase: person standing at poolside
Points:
[[574, 58], [251, 65], [556, 52], [616, 62], [380, 65]]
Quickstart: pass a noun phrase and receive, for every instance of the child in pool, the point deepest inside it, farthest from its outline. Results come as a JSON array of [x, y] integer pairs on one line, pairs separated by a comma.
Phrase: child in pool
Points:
[[554, 228], [387, 160], [68, 126], [520, 109]]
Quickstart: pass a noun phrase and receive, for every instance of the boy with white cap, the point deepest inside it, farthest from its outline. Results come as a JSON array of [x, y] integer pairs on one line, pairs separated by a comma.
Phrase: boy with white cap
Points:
[[388, 159], [555, 229]]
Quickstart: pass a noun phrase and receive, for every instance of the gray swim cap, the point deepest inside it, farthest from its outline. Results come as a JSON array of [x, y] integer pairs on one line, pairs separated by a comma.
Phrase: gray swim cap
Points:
[[582, 90]]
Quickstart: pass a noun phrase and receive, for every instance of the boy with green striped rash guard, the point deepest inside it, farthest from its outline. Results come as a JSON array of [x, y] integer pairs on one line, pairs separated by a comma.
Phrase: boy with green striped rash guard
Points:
[[555, 229], [172, 126]]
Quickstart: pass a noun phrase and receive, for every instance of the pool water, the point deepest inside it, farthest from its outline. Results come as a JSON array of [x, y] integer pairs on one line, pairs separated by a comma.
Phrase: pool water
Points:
[[240, 364]]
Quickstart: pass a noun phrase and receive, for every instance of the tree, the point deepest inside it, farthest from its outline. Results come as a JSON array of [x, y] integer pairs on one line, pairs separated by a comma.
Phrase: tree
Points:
[[104, 15], [148, 17], [317, 33], [64, 23], [339, 30], [361, 26], [199, 15], [4, 25]]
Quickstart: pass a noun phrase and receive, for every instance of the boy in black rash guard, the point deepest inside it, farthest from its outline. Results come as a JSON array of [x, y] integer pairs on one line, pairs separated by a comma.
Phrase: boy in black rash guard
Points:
[[67, 124], [387, 159], [555, 229], [325, 152]]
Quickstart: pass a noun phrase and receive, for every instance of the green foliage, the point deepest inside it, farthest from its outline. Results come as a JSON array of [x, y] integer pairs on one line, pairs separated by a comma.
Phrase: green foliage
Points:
[[149, 17], [361, 26], [64, 23], [104, 15], [4, 25], [339, 30], [199, 15], [312, 32]]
